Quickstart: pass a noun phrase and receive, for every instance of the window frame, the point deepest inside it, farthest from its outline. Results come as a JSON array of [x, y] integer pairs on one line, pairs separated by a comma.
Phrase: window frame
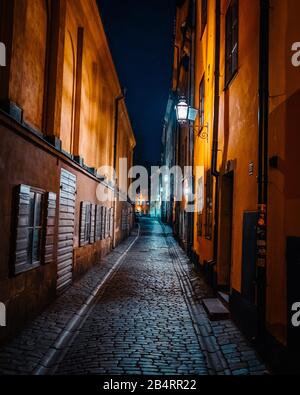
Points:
[[40, 228], [232, 48], [87, 223], [204, 9]]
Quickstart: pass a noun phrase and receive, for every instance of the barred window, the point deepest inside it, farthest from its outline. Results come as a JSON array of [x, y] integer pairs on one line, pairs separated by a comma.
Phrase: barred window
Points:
[[232, 34]]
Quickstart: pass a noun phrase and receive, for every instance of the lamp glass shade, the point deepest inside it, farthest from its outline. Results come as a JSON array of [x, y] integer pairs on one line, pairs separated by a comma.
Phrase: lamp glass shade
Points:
[[182, 110], [192, 114]]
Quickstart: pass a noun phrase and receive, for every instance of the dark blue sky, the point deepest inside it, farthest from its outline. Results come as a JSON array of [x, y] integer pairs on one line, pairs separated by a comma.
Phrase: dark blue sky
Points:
[[140, 34]]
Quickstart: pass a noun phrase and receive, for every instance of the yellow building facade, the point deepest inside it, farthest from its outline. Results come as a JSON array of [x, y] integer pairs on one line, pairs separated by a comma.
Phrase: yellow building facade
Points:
[[244, 81], [234, 190]]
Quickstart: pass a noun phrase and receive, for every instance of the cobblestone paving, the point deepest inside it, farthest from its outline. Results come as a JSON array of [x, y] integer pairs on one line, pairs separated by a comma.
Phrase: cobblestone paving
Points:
[[141, 325], [23, 354], [227, 350], [144, 324], [149, 320]]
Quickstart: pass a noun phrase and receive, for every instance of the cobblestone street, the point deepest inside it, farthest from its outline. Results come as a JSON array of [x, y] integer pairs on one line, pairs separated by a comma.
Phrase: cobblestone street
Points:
[[148, 319]]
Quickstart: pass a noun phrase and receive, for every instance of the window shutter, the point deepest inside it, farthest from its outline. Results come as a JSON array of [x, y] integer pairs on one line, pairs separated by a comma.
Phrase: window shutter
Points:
[[104, 222], [22, 219], [83, 210], [93, 218], [98, 223], [107, 222], [111, 222], [51, 204]]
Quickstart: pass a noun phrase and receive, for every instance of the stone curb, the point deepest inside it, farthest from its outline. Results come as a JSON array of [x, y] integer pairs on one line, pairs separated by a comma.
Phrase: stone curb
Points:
[[55, 353]]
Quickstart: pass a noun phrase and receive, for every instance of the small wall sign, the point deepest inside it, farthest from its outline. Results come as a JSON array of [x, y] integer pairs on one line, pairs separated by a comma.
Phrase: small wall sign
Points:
[[2, 315], [2, 55]]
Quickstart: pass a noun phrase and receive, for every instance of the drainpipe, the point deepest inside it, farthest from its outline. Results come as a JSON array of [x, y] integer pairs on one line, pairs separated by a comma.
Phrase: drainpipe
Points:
[[215, 147], [116, 122], [191, 129], [178, 50], [263, 164]]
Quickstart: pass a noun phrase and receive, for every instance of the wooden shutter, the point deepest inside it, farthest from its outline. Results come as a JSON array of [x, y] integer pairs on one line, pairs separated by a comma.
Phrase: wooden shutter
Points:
[[102, 223], [98, 223], [66, 228], [107, 223], [111, 222], [22, 219], [51, 204], [93, 218], [83, 212]]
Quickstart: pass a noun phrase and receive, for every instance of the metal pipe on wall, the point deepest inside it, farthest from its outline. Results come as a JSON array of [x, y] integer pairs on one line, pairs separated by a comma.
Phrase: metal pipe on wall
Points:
[[215, 147], [263, 164]]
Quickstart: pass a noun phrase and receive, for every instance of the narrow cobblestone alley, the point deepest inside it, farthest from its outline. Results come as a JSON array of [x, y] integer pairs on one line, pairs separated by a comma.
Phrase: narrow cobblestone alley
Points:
[[148, 319]]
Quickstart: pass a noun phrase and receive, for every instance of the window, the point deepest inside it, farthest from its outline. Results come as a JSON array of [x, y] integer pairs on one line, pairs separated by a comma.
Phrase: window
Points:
[[232, 33], [85, 223], [209, 205], [34, 227], [92, 223], [111, 222], [201, 102], [98, 223], [87, 228], [35, 213], [203, 15], [107, 222]]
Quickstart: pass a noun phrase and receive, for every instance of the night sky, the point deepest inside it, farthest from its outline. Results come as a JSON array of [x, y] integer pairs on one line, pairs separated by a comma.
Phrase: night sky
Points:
[[140, 35]]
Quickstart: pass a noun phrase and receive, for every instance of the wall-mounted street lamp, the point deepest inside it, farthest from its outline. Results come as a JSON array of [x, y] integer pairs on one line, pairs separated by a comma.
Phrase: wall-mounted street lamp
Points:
[[186, 114]]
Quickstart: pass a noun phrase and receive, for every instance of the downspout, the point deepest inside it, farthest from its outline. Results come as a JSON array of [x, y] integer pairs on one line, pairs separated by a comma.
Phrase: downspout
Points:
[[215, 147], [263, 164], [116, 129], [191, 129], [178, 50]]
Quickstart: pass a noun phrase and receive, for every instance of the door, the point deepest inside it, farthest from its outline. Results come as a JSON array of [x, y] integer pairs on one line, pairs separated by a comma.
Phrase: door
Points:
[[226, 210], [249, 256], [293, 290], [66, 230]]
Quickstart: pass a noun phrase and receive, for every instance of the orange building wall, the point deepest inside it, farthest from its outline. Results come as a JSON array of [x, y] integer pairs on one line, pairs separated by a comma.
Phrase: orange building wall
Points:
[[284, 191], [204, 69], [27, 158], [238, 139], [28, 59], [239, 123]]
